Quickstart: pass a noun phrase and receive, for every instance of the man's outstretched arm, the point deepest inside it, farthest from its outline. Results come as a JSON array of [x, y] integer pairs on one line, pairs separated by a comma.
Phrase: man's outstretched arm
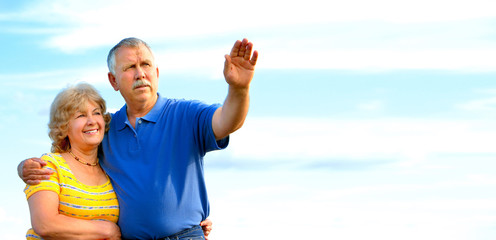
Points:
[[239, 69]]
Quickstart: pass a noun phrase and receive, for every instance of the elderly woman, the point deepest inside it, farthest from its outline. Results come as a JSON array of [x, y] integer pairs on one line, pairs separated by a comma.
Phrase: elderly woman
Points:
[[79, 192]]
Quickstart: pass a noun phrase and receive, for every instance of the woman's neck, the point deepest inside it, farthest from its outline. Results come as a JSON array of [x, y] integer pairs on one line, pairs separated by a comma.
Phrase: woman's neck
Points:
[[86, 156]]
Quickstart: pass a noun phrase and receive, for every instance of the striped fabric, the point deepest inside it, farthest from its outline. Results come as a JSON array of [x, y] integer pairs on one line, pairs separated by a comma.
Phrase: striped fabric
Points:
[[76, 199]]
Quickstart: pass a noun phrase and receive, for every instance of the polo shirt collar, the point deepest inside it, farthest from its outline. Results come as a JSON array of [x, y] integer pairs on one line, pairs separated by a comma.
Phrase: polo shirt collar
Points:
[[152, 116]]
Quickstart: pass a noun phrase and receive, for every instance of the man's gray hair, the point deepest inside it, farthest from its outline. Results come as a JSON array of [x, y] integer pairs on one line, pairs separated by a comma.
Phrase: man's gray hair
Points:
[[126, 42]]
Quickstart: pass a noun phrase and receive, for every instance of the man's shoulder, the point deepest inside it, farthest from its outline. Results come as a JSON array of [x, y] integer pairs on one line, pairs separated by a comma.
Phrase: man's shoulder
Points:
[[179, 104], [118, 115], [189, 103], [174, 103]]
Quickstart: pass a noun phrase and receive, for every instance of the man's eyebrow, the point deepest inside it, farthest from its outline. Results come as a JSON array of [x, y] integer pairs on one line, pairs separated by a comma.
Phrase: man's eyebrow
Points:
[[127, 65]]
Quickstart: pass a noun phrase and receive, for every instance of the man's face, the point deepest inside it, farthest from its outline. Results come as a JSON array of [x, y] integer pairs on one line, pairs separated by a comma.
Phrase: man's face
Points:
[[136, 75]]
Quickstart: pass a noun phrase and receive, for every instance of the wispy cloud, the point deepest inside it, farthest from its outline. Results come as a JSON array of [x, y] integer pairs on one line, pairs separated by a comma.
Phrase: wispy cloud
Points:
[[486, 104], [379, 35], [54, 80], [14, 222], [7, 218], [314, 141], [373, 105], [390, 209]]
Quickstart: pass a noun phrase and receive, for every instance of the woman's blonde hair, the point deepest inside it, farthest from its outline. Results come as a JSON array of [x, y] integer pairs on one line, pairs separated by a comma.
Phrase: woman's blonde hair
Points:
[[65, 104]]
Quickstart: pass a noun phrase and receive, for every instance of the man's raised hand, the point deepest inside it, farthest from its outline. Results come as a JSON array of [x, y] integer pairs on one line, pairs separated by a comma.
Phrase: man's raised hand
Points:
[[239, 66]]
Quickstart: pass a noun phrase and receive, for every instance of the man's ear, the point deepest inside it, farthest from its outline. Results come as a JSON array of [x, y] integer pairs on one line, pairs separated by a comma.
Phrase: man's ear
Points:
[[113, 81]]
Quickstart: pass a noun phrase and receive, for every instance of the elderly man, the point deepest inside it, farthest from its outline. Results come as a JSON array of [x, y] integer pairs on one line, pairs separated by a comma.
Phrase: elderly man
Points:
[[154, 149]]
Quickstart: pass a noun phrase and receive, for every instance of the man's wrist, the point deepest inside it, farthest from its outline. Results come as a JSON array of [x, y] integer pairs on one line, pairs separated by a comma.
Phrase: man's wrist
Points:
[[239, 91]]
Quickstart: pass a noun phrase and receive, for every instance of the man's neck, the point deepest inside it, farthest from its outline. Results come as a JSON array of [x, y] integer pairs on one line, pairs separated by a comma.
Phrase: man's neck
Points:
[[138, 110]]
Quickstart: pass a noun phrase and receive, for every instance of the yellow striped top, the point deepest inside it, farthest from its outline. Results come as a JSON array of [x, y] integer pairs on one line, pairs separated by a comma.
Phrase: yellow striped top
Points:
[[75, 199]]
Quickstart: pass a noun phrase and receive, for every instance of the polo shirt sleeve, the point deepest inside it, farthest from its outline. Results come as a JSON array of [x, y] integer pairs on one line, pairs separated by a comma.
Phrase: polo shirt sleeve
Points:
[[204, 119]]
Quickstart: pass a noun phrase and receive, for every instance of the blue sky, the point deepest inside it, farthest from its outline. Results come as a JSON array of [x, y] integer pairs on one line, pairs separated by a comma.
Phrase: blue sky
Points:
[[368, 119]]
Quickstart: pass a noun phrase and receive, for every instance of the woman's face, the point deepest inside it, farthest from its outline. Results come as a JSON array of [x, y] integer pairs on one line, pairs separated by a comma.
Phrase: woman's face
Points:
[[86, 127]]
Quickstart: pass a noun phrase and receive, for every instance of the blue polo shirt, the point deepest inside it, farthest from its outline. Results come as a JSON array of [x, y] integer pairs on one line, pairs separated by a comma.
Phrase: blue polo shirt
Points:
[[157, 167]]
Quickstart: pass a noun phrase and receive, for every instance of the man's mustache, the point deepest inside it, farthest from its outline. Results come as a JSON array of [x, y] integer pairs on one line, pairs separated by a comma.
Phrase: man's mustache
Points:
[[141, 83]]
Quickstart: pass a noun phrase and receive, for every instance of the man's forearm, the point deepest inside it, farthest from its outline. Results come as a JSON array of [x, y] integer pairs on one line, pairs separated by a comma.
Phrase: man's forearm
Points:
[[233, 113]]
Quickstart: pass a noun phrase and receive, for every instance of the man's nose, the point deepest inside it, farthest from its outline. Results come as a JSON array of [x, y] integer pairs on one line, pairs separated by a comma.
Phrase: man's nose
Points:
[[140, 73]]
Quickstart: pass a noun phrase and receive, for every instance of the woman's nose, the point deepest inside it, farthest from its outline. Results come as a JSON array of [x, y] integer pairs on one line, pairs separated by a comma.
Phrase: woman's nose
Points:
[[91, 119]]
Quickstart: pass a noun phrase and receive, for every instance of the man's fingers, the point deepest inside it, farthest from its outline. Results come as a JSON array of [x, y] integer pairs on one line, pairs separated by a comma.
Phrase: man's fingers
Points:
[[38, 173], [227, 62], [34, 163], [235, 49], [254, 58], [33, 182], [242, 49], [207, 228], [41, 162], [43, 171], [33, 171], [248, 49], [35, 179], [206, 223]]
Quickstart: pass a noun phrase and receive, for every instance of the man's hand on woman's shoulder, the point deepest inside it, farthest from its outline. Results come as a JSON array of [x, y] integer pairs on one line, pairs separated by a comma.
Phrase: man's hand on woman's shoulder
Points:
[[31, 171]]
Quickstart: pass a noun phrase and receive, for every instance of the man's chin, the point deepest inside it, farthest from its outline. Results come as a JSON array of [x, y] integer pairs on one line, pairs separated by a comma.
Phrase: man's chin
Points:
[[143, 95]]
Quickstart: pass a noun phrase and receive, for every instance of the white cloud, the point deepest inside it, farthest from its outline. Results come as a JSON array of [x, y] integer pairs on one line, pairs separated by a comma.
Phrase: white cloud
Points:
[[14, 221], [373, 105], [227, 14], [80, 25], [316, 203], [55, 80], [487, 104], [9, 218], [486, 91], [472, 60], [388, 138], [202, 62]]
